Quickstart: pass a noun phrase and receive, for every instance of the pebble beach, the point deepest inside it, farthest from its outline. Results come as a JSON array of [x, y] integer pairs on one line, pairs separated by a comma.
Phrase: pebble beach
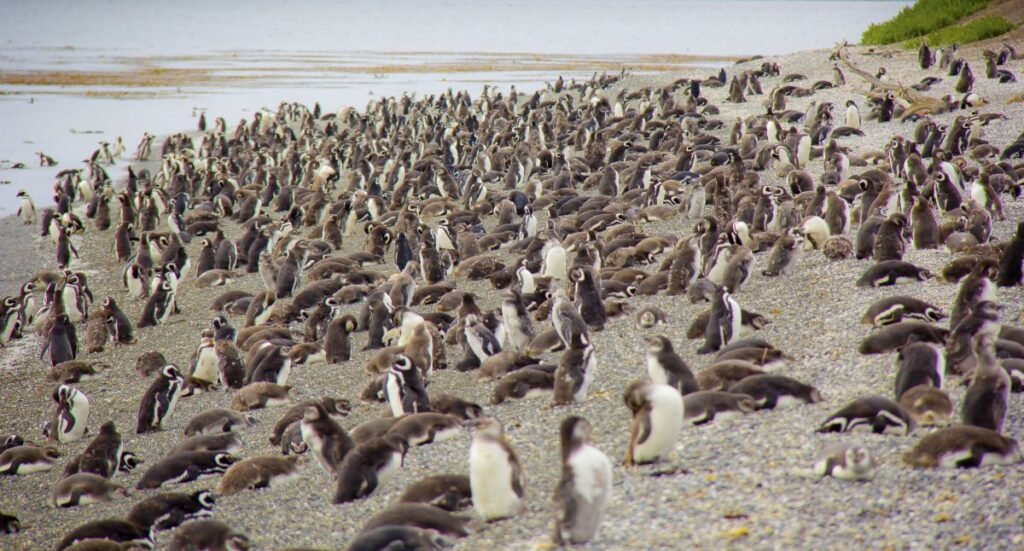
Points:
[[736, 483]]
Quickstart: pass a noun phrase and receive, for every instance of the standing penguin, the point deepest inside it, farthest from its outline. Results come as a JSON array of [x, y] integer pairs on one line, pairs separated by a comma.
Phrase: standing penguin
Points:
[[568, 323], [26, 210], [71, 415], [404, 389], [889, 244], [518, 327], [588, 296], [586, 483], [496, 476], [986, 400], [665, 366], [657, 419], [574, 374], [723, 324], [160, 399], [62, 343], [159, 306], [325, 437], [1010, 264], [337, 341], [925, 229], [369, 465]]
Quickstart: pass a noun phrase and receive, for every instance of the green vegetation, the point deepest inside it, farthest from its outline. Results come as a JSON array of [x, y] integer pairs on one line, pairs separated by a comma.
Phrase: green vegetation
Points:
[[979, 29], [924, 17]]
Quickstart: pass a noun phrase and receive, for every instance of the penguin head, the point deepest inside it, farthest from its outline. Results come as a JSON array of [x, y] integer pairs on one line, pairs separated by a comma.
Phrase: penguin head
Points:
[[314, 413], [128, 462], [224, 460], [575, 431], [858, 458], [170, 371], [402, 363], [659, 344], [488, 426], [204, 498]]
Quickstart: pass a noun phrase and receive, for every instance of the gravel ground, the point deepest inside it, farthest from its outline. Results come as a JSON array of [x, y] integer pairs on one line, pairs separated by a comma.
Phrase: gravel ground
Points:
[[738, 486]]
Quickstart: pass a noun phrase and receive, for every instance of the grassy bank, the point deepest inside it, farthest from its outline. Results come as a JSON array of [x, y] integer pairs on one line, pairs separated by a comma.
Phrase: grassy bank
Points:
[[979, 29], [921, 19]]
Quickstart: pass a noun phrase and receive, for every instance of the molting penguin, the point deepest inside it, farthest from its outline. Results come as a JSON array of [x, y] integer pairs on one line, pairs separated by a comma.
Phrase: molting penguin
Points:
[[705, 406], [657, 419], [337, 341], [169, 510], [257, 472], [845, 463], [963, 447], [496, 476], [665, 366], [327, 439], [585, 486], [208, 534], [369, 465], [83, 489], [986, 401], [574, 375]]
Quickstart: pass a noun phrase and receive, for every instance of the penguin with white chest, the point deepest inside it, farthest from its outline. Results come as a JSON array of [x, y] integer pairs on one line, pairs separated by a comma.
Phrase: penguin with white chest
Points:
[[724, 324], [368, 466], [325, 437], [665, 366], [404, 389], [574, 375], [160, 399], [204, 364], [71, 415], [27, 460], [657, 419], [496, 476], [585, 486]]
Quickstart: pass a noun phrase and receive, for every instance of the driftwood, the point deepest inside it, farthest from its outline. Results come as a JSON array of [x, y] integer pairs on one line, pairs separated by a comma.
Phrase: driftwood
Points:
[[914, 101]]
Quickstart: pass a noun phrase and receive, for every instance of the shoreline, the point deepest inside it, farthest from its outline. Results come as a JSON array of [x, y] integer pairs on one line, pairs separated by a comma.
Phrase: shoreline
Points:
[[737, 486]]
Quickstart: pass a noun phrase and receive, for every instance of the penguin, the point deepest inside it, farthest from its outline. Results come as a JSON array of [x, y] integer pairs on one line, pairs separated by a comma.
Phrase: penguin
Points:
[[584, 487], [889, 244], [480, 340], [338, 340], [228, 442], [26, 209], [852, 114], [83, 489], [158, 307], [417, 429], [217, 420], [450, 492], [102, 456], [136, 280], [919, 363], [771, 391], [657, 419], [27, 459], [1011, 273], [9, 524], [650, 316], [403, 251], [889, 272], [119, 327], [455, 406], [567, 321], [260, 395], [704, 406], [203, 365], [518, 327], [898, 335], [496, 476], [184, 467], [335, 407], [929, 405], [845, 463], [171, 509], [815, 231], [724, 323], [665, 366], [61, 343], [325, 437], [71, 415], [418, 515], [894, 309], [738, 269], [404, 389], [274, 367], [257, 472], [783, 255], [260, 308], [75, 371], [208, 534], [875, 412], [963, 447], [523, 383], [160, 399], [574, 375], [987, 398], [587, 292], [65, 251], [399, 537], [404, 286], [111, 529], [369, 465]]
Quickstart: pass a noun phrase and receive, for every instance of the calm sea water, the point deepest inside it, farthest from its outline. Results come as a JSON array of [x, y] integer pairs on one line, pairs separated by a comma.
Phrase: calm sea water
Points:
[[344, 53]]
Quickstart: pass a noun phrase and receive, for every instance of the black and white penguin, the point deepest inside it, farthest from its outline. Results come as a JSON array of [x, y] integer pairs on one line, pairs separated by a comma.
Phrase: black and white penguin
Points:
[[325, 437], [480, 340], [574, 375], [26, 209], [657, 419], [159, 306], [963, 447], [170, 509], [274, 367], [584, 487], [83, 489], [845, 463], [404, 390], [665, 366], [71, 415], [875, 412], [896, 308], [724, 324], [772, 391], [160, 399], [184, 467], [369, 465], [257, 472], [28, 459], [889, 272], [496, 476]]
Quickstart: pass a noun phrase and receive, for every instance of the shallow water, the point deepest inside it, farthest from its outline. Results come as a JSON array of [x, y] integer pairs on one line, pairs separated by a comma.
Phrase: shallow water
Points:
[[74, 73]]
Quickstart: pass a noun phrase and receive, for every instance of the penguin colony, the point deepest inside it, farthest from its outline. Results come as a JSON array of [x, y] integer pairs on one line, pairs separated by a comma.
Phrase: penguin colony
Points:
[[359, 245]]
